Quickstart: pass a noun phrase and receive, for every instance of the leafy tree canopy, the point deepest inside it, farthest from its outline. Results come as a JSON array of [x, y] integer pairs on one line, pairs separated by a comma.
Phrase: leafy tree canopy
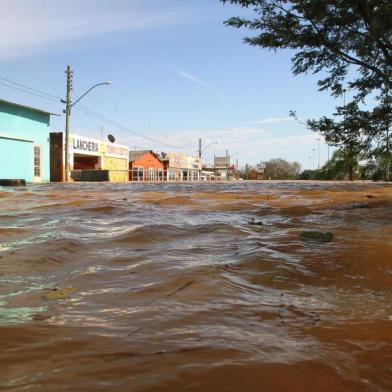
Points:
[[328, 35], [280, 169]]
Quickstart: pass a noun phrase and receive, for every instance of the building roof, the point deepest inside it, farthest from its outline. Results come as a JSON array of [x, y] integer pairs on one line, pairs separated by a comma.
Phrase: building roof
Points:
[[135, 154], [18, 105]]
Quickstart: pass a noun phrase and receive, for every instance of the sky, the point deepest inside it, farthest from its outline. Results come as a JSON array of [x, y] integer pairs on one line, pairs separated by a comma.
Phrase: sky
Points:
[[178, 74]]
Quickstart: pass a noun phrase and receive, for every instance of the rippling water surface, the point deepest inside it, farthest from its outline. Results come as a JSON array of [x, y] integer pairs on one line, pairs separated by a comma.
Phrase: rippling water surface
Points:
[[204, 287]]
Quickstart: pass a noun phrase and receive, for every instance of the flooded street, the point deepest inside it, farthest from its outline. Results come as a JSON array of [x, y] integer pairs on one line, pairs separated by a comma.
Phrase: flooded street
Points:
[[196, 287]]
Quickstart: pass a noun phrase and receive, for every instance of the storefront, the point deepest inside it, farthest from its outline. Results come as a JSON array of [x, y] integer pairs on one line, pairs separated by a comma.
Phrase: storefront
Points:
[[89, 159], [182, 167]]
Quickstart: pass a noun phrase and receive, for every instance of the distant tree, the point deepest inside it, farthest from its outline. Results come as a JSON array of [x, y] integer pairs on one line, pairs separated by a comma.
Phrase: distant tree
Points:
[[374, 169], [342, 166], [280, 169], [307, 175], [248, 173], [253, 175]]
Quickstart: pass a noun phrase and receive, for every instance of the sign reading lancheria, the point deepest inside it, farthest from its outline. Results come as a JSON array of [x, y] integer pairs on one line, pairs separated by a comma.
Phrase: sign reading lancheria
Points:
[[86, 146]]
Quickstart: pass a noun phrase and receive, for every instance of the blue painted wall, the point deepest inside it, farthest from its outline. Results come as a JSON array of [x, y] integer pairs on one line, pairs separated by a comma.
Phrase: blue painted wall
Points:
[[17, 156], [11, 163]]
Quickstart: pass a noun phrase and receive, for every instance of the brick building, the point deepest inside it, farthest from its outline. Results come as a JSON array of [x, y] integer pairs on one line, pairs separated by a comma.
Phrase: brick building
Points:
[[145, 165]]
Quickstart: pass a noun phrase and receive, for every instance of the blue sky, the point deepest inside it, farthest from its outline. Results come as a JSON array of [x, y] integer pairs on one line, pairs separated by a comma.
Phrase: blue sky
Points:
[[177, 74]]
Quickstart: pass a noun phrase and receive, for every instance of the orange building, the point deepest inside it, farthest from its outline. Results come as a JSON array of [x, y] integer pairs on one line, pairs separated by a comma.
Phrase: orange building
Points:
[[145, 165]]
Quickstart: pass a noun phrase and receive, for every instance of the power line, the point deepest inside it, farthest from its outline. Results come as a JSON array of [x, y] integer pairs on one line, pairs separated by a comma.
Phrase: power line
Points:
[[30, 92], [29, 88], [83, 108], [90, 112], [92, 119]]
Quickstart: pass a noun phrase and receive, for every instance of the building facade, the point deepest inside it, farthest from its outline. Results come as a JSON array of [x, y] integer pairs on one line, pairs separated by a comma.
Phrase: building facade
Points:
[[24, 142], [145, 165], [89, 159], [182, 167], [222, 167]]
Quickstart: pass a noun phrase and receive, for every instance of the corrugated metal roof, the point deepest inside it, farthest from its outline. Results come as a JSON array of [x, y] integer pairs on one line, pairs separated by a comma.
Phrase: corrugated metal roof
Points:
[[18, 105]]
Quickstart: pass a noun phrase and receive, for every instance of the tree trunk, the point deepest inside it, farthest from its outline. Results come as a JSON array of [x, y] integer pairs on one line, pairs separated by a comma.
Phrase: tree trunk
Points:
[[350, 172]]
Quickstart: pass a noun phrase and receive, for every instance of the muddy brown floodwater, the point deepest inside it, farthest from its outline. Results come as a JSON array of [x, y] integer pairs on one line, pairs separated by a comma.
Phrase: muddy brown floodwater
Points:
[[203, 287]]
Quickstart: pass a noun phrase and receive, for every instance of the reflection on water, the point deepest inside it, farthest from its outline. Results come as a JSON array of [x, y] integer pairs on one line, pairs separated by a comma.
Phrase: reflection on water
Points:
[[196, 287]]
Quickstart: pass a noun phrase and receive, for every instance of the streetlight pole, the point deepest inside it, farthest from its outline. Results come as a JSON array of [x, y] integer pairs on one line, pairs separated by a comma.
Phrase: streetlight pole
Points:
[[318, 153], [227, 165], [201, 150], [313, 149], [68, 106]]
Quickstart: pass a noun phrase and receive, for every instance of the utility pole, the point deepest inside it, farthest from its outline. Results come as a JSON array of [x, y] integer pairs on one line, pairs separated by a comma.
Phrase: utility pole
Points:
[[102, 132], [310, 164], [227, 166], [68, 106], [200, 147]]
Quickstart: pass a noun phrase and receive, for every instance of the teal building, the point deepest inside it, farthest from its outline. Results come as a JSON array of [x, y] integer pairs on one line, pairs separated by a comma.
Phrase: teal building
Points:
[[24, 142]]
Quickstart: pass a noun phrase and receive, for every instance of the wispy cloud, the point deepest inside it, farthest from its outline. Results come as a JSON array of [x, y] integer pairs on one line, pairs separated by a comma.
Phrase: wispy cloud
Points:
[[248, 144], [273, 120], [191, 77], [28, 26], [188, 76]]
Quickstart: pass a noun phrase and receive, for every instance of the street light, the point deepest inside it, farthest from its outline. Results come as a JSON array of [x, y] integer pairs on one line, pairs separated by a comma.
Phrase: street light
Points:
[[318, 152], [200, 150], [91, 88], [209, 145], [69, 105], [313, 149]]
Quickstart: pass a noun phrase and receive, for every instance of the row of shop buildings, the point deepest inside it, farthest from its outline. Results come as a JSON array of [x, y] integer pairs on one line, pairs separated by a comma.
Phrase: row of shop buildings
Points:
[[97, 160], [30, 151]]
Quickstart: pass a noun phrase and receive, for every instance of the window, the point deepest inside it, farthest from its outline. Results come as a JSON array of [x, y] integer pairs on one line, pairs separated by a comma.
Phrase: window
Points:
[[37, 161], [138, 172], [172, 175], [151, 174], [160, 175]]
